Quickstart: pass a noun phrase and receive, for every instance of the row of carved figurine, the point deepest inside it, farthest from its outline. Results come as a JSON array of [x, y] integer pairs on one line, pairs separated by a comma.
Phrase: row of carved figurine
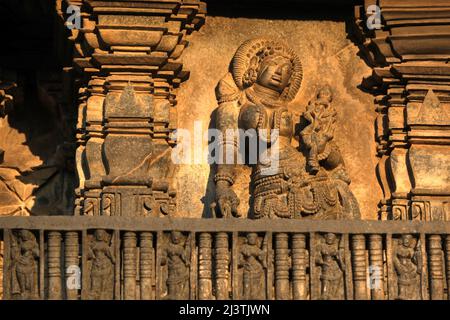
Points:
[[179, 265]]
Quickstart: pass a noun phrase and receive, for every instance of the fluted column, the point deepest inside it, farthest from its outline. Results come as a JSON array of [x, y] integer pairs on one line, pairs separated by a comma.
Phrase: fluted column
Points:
[[129, 265], [222, 259], [72, 269], [281, 266], [204, 266], [54, 265], [436, 267], [299, 286], [376, 267], [359, 266], [146, 265]]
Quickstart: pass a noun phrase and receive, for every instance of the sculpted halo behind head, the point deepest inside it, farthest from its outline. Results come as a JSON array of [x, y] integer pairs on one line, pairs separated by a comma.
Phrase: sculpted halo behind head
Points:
[[251, 54]]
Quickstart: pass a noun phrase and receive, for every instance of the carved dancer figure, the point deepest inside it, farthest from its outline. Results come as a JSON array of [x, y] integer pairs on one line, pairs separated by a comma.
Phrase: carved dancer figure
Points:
[[24, 254], [330, 259], [176, 257], [102, 271], [253, 260], [406, 263], [322, 116], [264, 77]]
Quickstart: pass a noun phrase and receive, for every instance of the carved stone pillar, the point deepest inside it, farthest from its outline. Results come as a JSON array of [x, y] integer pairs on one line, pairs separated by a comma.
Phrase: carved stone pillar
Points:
[[436, 267], [299, 262], [71, 264], [205, 266], [146, 262], [54, 265], [409, 52], [376, 267], [447, 262], [129, 266], [128, 53], [282, 266], [359, 266], [222, 258]]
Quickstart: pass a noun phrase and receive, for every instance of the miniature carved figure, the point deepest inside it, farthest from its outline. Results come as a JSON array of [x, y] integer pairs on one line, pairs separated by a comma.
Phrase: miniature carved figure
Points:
[[331, 260], [406, 257], [253, 261], [322, 116], [102, 271], [176, 257], [24, 254], [264, 77]]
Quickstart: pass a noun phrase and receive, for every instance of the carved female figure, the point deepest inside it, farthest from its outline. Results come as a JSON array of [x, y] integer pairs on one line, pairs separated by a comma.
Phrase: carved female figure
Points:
[[321, 115], [330, 259], [24, 266], [176, 257], [264, 77], [102, 275], [252, 260], [406, 261]]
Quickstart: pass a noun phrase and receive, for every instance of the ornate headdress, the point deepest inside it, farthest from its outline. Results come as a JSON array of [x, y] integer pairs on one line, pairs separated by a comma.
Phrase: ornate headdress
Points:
[[248, 58]]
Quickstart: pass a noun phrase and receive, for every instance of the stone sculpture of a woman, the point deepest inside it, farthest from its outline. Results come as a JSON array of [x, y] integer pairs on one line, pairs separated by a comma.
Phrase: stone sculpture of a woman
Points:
[[264, 77]]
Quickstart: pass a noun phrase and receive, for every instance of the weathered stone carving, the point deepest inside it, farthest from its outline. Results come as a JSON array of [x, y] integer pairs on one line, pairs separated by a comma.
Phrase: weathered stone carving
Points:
[[101, 285], [330, 259], [253, 261], [410, 85], [407, 264], [321, 116], [176, 255], [37, 154], [264, 77], [128, 54], [24, 265]]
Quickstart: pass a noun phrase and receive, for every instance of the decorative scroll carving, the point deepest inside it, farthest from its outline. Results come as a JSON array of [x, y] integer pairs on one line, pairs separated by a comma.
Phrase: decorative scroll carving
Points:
[[101, 273], [331, 261], [407, 263], [176, 256], [24, 265], [253, 261], [264, 77]]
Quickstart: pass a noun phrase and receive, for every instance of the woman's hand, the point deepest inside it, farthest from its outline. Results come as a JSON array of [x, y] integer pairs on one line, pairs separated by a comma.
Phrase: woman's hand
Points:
[[226, 199]]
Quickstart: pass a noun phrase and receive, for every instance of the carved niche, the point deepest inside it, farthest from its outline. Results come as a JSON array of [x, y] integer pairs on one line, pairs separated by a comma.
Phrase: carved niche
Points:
[[407, 266], [252, 264], [101, 261], [329, 261], [175, 266], [24, 265], [288, 181]]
